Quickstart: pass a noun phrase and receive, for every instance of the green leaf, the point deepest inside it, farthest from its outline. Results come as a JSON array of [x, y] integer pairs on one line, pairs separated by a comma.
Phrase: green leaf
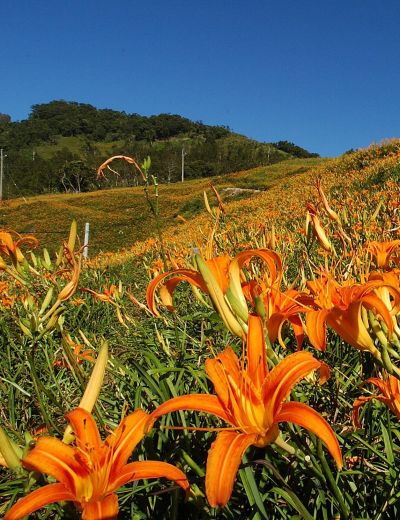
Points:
[[293, 500], [252, 492]]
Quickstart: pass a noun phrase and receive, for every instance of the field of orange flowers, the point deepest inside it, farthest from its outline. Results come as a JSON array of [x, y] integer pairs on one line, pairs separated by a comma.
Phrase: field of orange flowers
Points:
[[247, 366]]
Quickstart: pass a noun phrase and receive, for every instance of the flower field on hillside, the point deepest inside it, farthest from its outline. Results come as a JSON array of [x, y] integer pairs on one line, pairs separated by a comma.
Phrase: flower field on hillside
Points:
[[246, 365]]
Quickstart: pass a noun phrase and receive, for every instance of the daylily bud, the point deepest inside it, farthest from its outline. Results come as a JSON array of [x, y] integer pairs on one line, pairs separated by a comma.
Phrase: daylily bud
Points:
[[71, 286], [272, 243], [206, 203], [34, 260], [25, 329], [54, 318], [332, 214], [93, 388], [377, 210], [218, 299], [218, 197], [8, 452], [318, 229], [46, 259], [67, 291], [46, 301], [72, 235], [236, 291], [321, 235], [307, 224]]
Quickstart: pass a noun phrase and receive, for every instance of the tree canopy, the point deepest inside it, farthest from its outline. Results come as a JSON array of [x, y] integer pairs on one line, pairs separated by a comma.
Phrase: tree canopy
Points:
[[59, 146]]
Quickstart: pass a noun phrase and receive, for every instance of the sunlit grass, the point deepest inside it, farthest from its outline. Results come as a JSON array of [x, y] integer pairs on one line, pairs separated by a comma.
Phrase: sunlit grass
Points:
[[120, 217]]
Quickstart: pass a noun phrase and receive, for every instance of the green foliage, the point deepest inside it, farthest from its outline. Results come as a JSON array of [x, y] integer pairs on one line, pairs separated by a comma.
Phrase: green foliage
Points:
[[4, 119], [294, 150], [60, 132], [76, 176], [382, 175]]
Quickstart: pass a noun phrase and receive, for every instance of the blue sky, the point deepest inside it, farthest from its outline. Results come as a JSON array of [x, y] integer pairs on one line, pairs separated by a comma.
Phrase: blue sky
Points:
[[323, 74]]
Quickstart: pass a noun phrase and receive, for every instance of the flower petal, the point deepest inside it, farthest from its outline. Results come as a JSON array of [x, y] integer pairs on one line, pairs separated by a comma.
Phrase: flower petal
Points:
[[256, 351], [197, 402], [149, 469], [360, 401], [280, 381], [304, 415], [39, 498], [316, 328], [373, 302], [188, 275], [55, 458], [349, 325], [382, 385], [106, 509], [271, 258], [223, 461], [85, 429], [217, 370], [298, 330], [125, 438], [219, 266]]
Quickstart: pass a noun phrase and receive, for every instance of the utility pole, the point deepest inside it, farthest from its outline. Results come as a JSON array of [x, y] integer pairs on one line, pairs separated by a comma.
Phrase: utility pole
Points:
[[183, 163], [86, 242]]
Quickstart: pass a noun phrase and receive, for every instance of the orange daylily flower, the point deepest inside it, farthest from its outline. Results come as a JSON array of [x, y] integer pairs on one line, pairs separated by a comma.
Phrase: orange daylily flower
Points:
[[252, 400], [277, 307], [11, 247], [221, 278], [383, 251], [78, 351], [90, 472], [390, 286], [285, 306], [219, 267], [340, 307], [112, 295], [107, 295], [390, 396]]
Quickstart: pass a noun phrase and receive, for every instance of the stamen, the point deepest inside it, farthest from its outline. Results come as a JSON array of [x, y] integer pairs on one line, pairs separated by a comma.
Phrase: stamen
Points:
[[235, 400], [199, 429], [210, 347]]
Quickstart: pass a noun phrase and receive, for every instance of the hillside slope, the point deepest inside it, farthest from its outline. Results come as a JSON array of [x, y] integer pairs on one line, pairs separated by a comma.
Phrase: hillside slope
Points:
[[120, 217]]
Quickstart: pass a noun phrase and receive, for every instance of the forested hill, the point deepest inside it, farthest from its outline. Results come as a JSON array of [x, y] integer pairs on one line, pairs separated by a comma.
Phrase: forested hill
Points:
[[61, 143]]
